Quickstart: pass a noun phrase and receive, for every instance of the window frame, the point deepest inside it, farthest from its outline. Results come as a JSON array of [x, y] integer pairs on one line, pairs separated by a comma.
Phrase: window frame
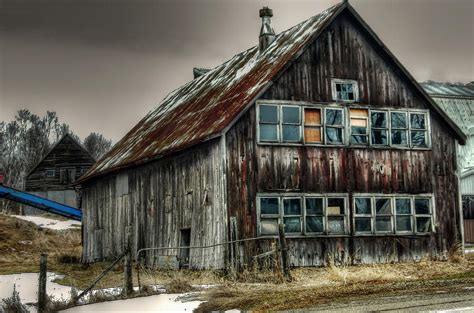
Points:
[[394, 214], [355, 87], [349, 128], [281, 123], [267, 123], [387, 128], [343, 126], [320, 126], [50, 169], [427, 129], [303, 196]]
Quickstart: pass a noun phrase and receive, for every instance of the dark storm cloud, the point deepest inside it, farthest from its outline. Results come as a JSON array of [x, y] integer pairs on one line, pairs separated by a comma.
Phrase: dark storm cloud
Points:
[[103, 64]]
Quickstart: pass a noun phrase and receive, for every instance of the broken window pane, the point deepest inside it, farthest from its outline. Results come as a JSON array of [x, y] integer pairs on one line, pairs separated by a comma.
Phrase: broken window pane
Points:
[[417, 121], [418, 138], [383, 224], [336, 224], [268, 132], [334, 135], [404, 223], [269, 226], [314, 206], [423, 224], [269, 205], [268, 114], [363, 224], [363, 206], [422, 206], [379, 119], [379, 137], [333, 117], [399, 137], [291, 133], [292, 224], [399, 120], [314, 224], [403, 206], [292, 206], [382, 206], [345, 91], [291, 115]]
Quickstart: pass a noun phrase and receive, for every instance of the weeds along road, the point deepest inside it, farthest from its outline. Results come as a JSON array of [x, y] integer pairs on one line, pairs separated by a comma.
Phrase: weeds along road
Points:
[[458, 300]]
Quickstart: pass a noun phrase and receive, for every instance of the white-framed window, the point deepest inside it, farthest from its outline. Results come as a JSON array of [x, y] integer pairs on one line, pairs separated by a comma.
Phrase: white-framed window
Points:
[[393, 214], [334, 123], [50, 172], [359, 122], [303, 215], [313, 125], [345, 90], [398, 128], [418, 129], [279, 123], [379, 127]]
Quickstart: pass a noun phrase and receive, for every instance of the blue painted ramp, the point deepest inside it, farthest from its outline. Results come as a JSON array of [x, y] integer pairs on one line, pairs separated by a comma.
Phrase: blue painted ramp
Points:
[[40, 203]]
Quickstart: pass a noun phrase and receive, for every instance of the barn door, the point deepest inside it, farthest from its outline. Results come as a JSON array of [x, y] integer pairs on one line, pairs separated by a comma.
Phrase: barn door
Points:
[[185, 242]]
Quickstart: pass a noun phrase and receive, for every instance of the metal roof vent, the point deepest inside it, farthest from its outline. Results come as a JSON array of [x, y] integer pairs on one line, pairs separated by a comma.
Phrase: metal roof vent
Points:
[[267, 34]]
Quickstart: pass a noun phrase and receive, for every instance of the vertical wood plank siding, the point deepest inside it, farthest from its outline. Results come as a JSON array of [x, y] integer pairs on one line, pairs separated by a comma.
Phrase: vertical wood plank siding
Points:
[[180, 191], [343, 51]]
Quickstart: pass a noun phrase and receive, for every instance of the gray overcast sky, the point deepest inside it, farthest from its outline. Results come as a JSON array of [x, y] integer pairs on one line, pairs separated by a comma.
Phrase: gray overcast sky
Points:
[[102, 65]]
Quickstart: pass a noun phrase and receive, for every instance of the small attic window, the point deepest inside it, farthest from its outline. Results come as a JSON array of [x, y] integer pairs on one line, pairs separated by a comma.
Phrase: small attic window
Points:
[[345, 90]]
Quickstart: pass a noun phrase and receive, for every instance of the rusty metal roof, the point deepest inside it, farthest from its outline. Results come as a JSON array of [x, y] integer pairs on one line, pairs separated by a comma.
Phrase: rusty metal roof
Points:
[[202, 108]]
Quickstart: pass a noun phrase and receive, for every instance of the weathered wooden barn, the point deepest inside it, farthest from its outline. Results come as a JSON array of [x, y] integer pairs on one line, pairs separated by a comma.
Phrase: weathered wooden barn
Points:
[[457, 100], [318, 127], [53, 176]]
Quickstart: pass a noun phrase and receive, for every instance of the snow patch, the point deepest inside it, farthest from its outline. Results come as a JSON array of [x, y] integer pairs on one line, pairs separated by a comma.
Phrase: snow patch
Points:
[[50, 223]]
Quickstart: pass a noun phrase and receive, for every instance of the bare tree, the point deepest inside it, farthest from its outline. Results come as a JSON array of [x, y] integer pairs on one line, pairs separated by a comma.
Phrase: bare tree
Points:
[[97, 145]]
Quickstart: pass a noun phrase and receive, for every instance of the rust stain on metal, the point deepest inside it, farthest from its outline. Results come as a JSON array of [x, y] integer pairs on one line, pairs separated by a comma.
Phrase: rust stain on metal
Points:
[[203, 107]]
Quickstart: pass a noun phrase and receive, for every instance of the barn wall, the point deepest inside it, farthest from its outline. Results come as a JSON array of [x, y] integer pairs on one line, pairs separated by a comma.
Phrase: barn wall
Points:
[[162, 197], [343, 51]]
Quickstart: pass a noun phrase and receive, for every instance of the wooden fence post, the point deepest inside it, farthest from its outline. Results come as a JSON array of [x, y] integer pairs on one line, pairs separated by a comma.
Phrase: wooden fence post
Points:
[[42, 283], [128, 280], [284, 252]]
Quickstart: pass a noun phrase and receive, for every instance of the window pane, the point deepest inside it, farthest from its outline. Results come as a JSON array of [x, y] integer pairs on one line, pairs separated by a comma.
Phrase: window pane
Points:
[[312, 134], [269, 226], [378, 119], [399, 137], [359, 130], [422, 206], [268, 132], [269, 114], [314, 224], [358, 139], [291, 115], [345, 91], [314, 206], [418, 138], [383, 223], [363, 206], [379, 137], [417, 121], [359, 113], [382, 206], [336, 224], [358, 122], [334, 135], [312, 117], [399, 120], [292, 206], [291, 133], [333, 117], [404, 223], [423, 224], [403, 206], [362, 224], [269, 205], [335, 206], [292, 224]]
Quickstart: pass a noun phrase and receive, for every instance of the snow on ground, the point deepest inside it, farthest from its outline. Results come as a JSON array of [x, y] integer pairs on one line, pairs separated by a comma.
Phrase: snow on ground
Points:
[[27, 285], [50, 223], [158, 303]]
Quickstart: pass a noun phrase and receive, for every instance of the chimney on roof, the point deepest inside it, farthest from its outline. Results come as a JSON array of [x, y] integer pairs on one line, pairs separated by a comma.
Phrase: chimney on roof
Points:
[[267, 34]]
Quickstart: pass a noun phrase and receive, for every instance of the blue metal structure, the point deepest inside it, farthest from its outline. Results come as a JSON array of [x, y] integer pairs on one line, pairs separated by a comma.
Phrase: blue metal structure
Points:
[[40, 203]]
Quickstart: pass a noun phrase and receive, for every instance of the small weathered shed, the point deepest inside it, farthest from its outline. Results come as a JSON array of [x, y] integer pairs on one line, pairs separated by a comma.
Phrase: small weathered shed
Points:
[[53, 176]]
